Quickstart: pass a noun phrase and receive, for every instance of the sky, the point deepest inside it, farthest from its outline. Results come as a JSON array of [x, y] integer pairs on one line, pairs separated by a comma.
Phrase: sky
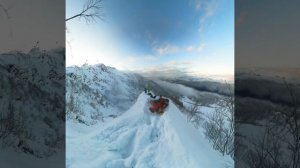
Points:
[[29, 22], [193, 36], [267, 34]]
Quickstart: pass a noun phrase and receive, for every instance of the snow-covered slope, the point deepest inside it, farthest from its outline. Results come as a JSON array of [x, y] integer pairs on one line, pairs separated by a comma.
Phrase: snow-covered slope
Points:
[[32, 119], [141, 139], [95, 92]]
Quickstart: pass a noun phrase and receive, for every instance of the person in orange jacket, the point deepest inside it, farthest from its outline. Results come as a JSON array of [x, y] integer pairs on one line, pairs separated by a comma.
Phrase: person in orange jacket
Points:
[[159, 105]]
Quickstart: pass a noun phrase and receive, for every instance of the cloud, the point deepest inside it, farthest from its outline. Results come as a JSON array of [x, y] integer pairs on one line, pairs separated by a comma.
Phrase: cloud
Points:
[[201, 47], [192, 48], [174, 63], [208, 9], [198, 5], [169, 69], [167, 49], [172, 49]]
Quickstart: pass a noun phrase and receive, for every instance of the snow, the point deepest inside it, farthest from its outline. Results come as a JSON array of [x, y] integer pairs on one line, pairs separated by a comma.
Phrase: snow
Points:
[[141, 139], [100, 91], [10, 158], [32, 87]]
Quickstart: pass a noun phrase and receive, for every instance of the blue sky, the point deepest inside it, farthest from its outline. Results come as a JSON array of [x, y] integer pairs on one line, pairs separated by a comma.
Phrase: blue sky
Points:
[[196, 36]]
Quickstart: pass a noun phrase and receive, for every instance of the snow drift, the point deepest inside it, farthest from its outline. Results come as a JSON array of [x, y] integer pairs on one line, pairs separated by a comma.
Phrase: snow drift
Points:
[[141, 139]]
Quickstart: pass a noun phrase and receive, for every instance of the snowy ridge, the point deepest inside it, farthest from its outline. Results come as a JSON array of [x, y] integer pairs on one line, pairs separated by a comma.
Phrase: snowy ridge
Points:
[[95, 92], [141, 139]]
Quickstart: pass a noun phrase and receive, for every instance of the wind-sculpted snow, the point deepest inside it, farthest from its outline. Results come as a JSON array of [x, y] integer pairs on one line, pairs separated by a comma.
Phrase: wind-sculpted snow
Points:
[[141, 139]]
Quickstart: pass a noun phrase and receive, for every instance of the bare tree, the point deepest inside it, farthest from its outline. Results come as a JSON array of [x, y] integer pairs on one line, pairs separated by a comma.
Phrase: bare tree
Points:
[[220, 125], [288, 122], [11, 124], [279, 145], [267, 149], [194, 115], [91, 11]]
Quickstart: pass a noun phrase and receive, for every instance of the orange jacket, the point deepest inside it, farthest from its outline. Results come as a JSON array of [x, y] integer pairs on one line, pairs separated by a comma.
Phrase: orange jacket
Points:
[[159, 105]]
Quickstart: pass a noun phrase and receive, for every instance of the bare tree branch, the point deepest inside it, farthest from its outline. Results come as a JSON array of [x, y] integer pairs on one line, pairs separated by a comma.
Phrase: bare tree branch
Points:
[[8, 18], [91, 11], [280, 145], [219, 128]]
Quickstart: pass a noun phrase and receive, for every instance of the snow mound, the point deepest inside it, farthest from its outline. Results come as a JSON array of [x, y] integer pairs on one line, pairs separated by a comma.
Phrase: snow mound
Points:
[[141, 139]]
